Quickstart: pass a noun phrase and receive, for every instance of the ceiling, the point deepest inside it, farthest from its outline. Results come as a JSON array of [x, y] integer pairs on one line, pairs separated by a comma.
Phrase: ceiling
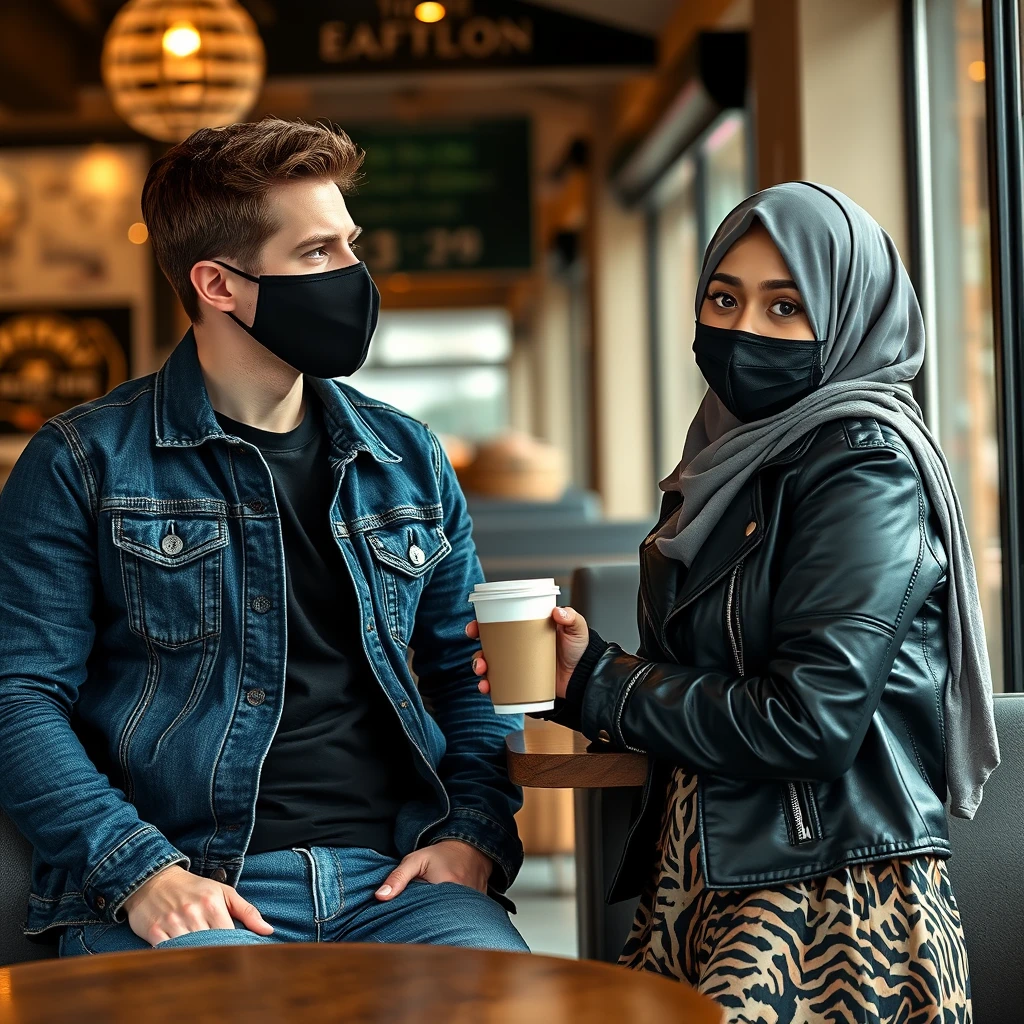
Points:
[[48, 48], [640, 15]]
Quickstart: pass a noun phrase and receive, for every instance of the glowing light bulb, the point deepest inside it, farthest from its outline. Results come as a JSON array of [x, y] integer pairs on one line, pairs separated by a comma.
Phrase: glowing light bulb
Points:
[[429, 12], [182, 39], [976, 71]]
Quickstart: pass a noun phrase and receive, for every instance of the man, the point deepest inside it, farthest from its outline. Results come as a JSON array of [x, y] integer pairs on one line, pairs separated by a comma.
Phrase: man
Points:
[[212, 581]]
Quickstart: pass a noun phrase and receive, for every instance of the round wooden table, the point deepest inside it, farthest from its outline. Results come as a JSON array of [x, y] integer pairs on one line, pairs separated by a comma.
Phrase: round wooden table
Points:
[[294, 982]]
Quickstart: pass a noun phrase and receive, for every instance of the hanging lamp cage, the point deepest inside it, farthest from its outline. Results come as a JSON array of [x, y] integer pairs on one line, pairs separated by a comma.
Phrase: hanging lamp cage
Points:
[[174, 66]]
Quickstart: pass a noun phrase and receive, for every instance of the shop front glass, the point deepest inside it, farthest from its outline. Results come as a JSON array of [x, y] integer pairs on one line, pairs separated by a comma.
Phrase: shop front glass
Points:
[[962, 336]]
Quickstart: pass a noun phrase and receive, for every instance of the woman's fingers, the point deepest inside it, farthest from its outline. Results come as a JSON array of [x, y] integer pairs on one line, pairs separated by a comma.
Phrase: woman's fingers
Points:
[[483, 686], [571, 621], [479, 664], [473, 630]]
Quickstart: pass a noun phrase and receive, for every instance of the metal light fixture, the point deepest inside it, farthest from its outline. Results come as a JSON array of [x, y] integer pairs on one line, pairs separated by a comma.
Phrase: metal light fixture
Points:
[[173, 66]]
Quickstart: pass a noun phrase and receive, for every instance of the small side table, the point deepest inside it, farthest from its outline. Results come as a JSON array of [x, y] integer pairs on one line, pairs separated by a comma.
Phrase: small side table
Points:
[[605, 785]]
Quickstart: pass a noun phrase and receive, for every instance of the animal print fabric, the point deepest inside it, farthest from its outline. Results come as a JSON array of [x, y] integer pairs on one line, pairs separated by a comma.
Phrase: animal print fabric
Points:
[[869, 944]]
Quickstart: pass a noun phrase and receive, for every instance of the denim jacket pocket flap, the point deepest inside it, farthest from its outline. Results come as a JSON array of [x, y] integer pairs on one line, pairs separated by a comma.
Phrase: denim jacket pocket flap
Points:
[[410, 548], [169, 542]]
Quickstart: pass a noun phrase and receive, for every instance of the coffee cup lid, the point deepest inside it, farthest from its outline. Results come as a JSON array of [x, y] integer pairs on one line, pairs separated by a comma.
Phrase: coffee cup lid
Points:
[[515, 588]]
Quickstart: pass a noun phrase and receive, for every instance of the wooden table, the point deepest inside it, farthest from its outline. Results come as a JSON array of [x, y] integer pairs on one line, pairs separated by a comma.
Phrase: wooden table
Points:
[[605, 784], [546, 756], [357, 984]]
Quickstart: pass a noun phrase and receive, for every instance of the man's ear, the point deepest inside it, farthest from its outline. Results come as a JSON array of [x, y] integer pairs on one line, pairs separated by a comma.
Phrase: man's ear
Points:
[[216, 288]]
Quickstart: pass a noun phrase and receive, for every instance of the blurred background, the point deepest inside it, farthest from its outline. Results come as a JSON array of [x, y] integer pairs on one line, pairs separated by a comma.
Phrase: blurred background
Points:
[[540, 183]]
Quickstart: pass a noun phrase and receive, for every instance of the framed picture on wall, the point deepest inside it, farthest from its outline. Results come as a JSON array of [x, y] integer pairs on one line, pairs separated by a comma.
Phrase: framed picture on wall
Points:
[[54, 359], [76, 281]]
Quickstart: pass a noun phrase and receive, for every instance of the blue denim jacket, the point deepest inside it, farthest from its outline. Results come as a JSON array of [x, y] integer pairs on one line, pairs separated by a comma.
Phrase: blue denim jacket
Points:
[[142, 677]]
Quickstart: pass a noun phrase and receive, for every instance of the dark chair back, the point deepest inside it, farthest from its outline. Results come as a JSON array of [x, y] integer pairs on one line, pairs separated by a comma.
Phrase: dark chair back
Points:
[[16, 859], [606, 597], [987, 868]]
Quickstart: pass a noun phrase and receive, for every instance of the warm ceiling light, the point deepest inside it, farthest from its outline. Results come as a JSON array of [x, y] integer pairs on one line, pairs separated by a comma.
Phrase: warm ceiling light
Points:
[[138, 233], [429, 12], [182, 39], [976, 71], [172, 66]]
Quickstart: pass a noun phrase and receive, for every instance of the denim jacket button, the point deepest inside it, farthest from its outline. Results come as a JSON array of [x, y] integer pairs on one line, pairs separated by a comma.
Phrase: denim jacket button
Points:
[[256, 697], [261, 605], [171, 544], [100, 902], [604, 736], [416, 555], [257, 505], [219, 875]]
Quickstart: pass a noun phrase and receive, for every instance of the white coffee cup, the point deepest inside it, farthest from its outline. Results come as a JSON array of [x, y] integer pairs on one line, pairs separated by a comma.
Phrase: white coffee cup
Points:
[[518, 637]]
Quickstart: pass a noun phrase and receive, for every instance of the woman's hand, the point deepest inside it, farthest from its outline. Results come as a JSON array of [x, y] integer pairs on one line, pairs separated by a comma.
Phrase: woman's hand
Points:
[[573, 637]]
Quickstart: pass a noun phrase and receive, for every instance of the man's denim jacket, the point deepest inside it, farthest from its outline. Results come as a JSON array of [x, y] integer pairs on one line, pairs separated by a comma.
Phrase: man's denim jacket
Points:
[[142, 637]]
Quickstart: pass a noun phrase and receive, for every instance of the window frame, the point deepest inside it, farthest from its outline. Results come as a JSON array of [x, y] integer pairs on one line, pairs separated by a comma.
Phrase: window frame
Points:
[[1006, 201], [1005, 158]]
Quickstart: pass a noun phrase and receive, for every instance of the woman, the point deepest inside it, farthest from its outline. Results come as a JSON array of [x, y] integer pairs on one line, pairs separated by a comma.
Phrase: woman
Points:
[[812, 680]]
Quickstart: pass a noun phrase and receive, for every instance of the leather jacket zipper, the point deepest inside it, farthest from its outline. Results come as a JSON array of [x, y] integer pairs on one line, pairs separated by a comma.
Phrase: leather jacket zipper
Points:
[[802, 831], [732, 618]]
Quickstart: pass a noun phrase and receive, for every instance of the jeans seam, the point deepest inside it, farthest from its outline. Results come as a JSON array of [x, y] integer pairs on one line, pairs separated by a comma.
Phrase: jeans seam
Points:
[[314, 874]]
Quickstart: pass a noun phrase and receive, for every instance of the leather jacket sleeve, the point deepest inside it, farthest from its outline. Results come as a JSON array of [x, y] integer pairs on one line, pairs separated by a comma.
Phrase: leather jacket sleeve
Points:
[[847, 589]]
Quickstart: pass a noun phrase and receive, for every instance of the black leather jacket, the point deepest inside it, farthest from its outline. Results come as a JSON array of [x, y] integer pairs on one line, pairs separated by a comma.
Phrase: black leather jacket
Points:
[[797, 668]]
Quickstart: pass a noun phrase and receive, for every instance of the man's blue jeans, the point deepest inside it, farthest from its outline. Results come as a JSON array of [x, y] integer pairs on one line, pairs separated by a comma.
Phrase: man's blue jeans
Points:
[[325, 894]]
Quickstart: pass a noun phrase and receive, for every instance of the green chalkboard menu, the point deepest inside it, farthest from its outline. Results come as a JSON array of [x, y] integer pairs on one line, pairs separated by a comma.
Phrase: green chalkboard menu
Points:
[[445, 198]]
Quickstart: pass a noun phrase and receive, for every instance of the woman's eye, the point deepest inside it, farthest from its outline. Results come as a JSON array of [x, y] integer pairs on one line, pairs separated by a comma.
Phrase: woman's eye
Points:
[[723, 300], [785, 307]]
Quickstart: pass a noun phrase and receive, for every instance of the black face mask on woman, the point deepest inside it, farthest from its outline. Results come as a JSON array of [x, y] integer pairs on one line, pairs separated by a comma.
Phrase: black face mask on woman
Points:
[[754, 376], [320, 324]]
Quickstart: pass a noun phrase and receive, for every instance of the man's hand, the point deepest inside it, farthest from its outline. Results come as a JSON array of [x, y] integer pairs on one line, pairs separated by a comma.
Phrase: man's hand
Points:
[[447, 861], [175, 902]]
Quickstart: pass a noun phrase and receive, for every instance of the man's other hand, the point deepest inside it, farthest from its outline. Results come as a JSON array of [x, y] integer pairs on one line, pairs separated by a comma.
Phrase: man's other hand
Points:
[[175, 902], [447, 861]]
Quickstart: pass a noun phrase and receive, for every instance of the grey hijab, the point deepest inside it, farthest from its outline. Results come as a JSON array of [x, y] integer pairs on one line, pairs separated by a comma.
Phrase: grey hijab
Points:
[[861, 304]]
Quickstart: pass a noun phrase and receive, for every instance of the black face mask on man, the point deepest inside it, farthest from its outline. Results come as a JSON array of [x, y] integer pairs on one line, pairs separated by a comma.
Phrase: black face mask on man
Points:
[[321, 324], [754, 376]]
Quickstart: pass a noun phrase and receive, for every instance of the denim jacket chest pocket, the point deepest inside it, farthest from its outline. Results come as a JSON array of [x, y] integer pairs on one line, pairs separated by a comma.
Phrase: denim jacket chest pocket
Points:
[[172, 569], [404, 555]]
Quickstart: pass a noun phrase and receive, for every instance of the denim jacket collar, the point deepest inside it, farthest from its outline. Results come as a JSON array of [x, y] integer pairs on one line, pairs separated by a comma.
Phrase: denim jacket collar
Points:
[[184, 417]]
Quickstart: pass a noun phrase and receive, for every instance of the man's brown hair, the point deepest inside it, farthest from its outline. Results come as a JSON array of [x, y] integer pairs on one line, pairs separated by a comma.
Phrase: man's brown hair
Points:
[[206, 197]]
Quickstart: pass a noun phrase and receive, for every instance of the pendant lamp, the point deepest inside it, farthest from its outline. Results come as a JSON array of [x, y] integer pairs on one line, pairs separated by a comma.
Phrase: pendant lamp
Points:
[[173, 66]]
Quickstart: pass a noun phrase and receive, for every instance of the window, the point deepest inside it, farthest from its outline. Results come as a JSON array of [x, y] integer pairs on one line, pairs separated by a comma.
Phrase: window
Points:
[[685, 209], [725, 171], [445, 367], [961, 396]]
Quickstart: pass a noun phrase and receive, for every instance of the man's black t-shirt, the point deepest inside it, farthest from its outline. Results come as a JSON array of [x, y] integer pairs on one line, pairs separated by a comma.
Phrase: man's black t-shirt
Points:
[[339, 764]]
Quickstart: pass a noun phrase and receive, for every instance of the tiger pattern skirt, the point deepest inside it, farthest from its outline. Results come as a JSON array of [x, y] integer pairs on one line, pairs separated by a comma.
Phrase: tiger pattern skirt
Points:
[[867, 944]]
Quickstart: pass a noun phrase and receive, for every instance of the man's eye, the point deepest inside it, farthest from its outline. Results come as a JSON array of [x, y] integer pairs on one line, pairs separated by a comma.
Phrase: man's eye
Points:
[[319, 253], [784, 307], [723, 300]]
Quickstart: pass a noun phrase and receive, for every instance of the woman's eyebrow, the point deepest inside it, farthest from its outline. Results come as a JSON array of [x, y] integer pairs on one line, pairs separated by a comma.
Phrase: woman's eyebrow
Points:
[[774, 284], [727, 279]]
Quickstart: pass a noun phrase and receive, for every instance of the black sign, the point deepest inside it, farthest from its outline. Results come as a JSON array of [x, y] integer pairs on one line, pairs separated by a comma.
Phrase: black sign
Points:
[[451, 198], [385, 35], [51, 360]]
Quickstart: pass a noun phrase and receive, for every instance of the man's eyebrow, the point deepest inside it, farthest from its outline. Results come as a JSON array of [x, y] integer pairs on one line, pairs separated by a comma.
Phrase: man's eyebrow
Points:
[[727, 279], [322, 238], [777, 283]]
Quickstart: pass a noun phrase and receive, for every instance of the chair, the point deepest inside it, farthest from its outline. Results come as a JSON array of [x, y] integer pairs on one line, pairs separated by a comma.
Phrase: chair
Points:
[[16, 858], [526, 551], [606, 597], [987, 868]]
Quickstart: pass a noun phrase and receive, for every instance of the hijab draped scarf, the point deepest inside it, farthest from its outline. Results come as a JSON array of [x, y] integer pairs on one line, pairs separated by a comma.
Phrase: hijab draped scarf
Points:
[[860, 302]]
